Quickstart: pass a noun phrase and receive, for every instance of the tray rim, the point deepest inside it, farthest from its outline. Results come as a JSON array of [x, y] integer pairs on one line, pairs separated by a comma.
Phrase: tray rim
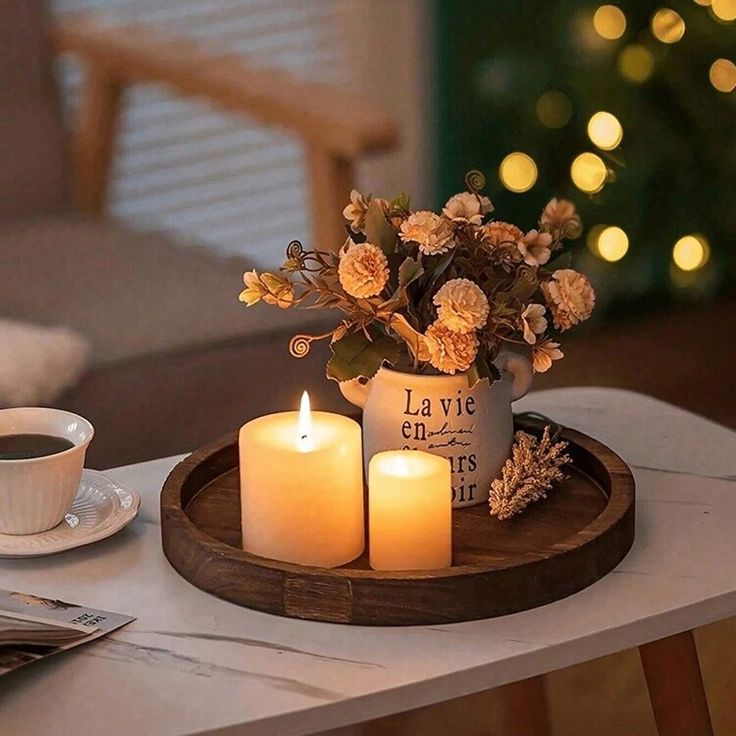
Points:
[[620, 502]]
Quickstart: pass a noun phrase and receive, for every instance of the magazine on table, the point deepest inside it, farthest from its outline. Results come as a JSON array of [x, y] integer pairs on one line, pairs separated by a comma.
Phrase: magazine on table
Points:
[[33, 628]]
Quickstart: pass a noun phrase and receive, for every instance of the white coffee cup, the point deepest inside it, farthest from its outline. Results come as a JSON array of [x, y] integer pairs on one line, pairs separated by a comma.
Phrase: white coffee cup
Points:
[[36, 493]]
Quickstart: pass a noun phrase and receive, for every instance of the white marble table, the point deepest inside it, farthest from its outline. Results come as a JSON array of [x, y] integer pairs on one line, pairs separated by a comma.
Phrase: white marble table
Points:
[[191, 663]]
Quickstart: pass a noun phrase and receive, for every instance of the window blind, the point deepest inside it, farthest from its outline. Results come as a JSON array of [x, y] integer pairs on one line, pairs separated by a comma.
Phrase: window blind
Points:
[[203, 176]]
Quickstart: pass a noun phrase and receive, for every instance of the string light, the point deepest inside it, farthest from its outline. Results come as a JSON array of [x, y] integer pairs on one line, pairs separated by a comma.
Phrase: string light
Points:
[[723, 75], [691, 252], [609, 22], [724, 10], [668, 26], [636, 63], [589, 172], [518, 172], [554, 109], [613, 244], [605, 130]]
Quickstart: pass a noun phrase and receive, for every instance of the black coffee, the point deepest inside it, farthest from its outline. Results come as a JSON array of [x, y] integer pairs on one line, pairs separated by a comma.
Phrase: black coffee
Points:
[[27, 446]]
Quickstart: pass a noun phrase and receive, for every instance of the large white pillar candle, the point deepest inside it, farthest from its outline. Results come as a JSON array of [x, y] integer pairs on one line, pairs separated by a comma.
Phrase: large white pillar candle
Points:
[[301, 487], [409, 511]]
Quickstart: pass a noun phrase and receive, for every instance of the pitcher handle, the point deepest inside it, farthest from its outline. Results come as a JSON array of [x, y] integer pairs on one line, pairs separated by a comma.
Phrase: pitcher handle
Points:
[[355, 391], [520, 368]]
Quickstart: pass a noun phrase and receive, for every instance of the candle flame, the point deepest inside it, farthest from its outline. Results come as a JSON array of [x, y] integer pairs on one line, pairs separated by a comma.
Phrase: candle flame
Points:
[[304, 425]]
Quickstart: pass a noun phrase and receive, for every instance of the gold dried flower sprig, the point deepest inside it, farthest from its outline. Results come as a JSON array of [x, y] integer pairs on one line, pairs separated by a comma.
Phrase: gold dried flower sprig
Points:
[[534, 467]]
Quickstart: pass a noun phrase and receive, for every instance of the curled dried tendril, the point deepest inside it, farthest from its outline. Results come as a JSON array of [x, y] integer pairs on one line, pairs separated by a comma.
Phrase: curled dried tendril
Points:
[[475, 181], [571, 227], [300, 345], [527, 275], [295, 254]]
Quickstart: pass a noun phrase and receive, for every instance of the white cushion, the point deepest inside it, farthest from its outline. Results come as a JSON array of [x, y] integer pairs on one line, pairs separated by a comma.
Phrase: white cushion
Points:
[[38, 363]]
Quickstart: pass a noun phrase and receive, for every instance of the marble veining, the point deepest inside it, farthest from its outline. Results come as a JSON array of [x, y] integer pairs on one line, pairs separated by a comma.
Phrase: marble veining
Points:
[[163, 659], [728, 478], [261, 644]]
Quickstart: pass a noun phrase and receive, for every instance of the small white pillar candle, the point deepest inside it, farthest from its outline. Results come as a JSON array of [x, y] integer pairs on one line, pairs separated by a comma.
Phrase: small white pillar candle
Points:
[[409, 511], [301, 487]]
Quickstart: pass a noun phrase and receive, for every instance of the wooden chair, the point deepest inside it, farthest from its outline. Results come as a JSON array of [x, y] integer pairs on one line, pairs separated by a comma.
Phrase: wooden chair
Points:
[[336, 127], [176, 359]]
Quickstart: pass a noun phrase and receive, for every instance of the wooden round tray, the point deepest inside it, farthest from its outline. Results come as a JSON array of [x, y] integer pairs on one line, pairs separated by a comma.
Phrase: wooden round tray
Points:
[[556, 547]]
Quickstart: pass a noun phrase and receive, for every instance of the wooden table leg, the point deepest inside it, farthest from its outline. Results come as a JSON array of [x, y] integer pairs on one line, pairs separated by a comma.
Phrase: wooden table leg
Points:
[[524, 708], [676, 686]]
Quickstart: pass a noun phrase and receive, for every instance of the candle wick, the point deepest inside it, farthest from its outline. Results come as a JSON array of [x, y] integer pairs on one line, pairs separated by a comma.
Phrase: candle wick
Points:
[[304, 436]]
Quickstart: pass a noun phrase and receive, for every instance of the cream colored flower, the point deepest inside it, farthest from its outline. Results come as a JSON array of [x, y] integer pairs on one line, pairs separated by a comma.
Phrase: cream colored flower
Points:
[[461, 305], [535, 247], [363, 270], [499, 233], [432, 233], [543, 353], [277, 291], [501, 240], [467, 207], [533, 322], [570, 298], [560, 215], [486, 206], [355, 211], [450, 351], [253, 290]]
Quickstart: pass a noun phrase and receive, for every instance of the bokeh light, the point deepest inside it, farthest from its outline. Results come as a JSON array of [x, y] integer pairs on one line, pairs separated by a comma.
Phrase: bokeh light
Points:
[[591, 238], [704, 3], [636, 63], [724, 9], [589, 172], [605, 130], [723, 75], [691, 252], [613, 244], [609, 22], [668, 26], [554, 109], [518, 172]]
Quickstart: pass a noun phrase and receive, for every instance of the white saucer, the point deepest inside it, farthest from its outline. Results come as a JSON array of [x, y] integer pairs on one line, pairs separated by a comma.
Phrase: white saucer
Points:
[[101, 508]]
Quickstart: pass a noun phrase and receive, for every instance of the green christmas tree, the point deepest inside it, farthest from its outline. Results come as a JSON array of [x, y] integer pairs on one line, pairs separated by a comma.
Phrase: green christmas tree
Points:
[[660, 167]]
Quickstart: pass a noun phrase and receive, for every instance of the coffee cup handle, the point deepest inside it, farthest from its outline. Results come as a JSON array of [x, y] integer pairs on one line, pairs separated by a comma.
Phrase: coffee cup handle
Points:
[[521, 369]]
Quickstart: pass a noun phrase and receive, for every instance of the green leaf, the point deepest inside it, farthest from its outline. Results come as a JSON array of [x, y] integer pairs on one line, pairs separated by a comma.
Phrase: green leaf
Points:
[[400, 203], [439, 264], [409, 271], [523, 289], [435, 267], [398, 300], [481, 368], [378, 230], [356, 355]]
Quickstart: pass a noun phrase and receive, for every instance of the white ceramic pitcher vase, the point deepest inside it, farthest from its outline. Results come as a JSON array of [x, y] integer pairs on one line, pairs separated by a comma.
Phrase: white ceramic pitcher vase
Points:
[[442, 414]]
